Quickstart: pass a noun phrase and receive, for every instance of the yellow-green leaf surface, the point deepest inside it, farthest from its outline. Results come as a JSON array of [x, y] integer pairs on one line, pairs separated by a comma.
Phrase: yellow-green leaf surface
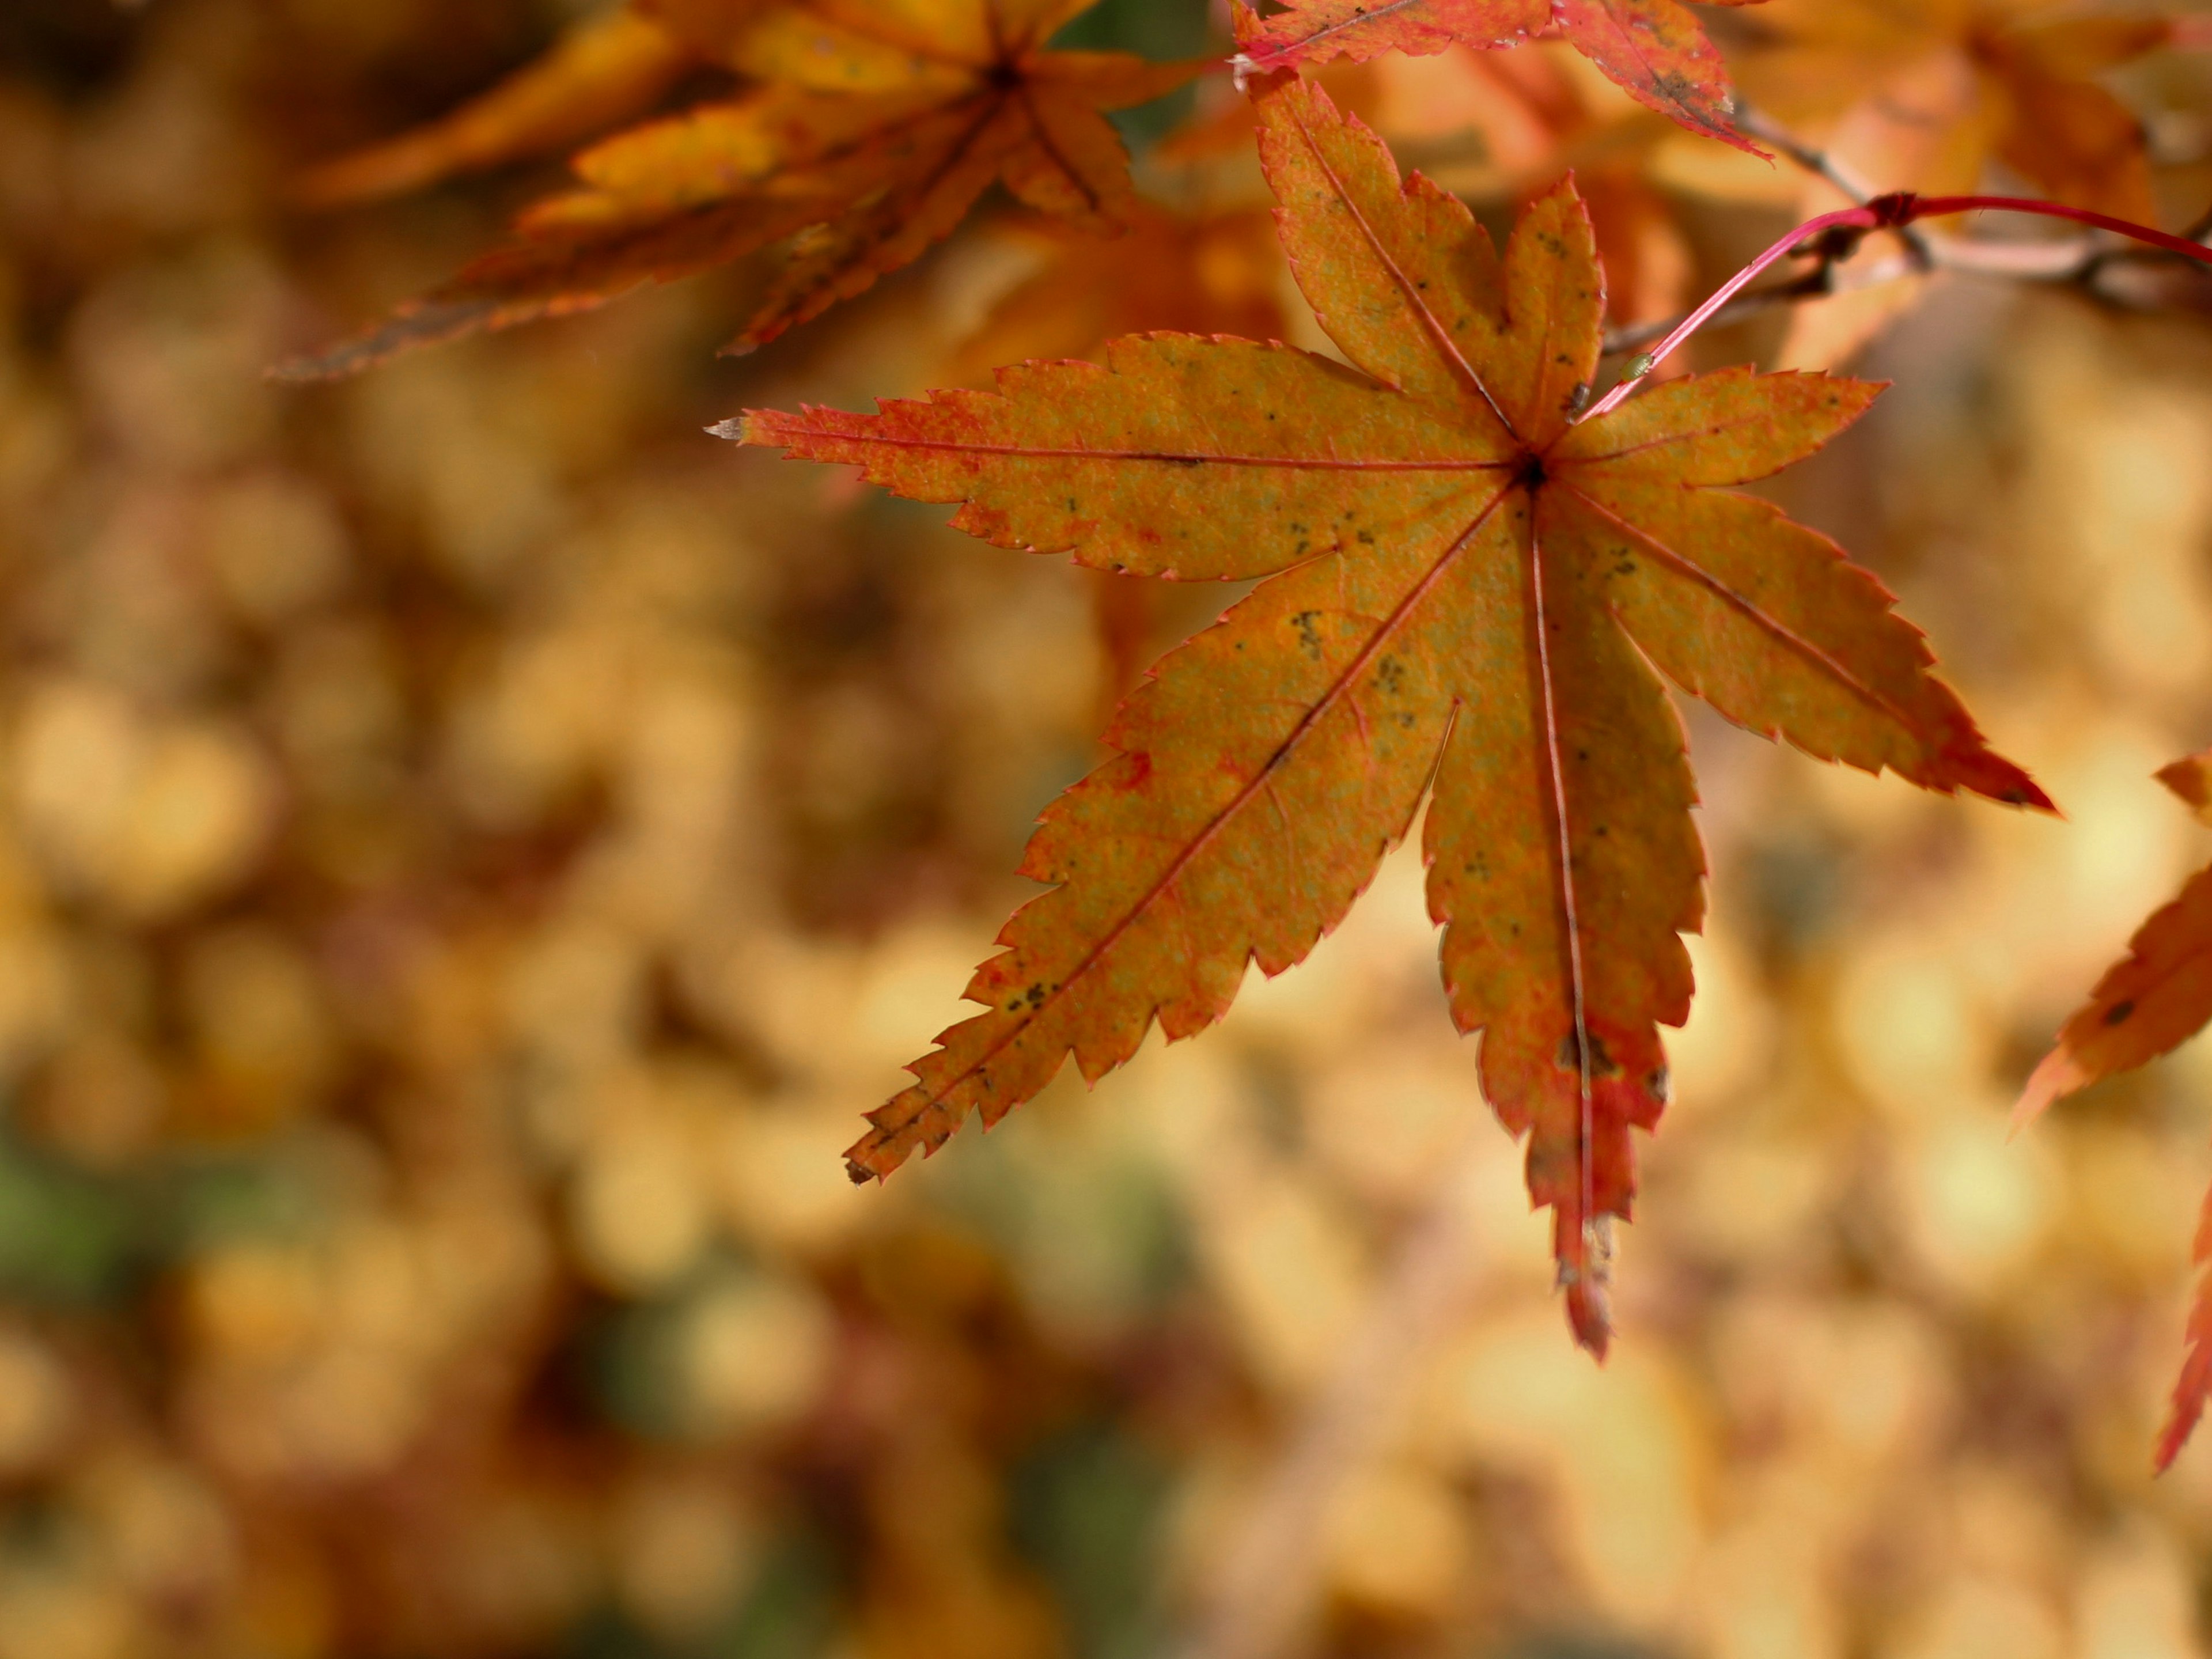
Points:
[[874, 126], [1468, 595]]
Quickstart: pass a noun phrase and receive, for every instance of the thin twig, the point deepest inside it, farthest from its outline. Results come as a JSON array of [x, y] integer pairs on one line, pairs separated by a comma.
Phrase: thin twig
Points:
[[1823, 165], [1832, 236], [2084, 261]]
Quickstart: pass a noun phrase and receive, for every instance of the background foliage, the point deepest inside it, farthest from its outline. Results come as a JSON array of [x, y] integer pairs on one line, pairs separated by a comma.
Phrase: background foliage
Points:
[[469, 844]]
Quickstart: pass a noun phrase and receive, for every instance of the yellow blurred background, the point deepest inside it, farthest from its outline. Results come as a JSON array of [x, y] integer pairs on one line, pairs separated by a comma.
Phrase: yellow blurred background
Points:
[[471, 844]]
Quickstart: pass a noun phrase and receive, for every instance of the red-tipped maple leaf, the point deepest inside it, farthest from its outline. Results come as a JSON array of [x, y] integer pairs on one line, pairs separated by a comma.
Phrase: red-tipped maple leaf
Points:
[[874, 129], [1466, 595], [2148, 1004], [1655, 49]]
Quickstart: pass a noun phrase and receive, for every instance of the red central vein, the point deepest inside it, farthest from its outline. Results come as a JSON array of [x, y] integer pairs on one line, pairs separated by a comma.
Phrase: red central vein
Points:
[[1290, 463], [1263, 781], [1750, 608], [1570, 913], [1405, 285]]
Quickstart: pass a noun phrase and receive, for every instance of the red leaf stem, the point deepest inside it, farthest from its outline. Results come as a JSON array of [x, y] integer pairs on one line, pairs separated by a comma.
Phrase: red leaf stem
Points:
[[1883, 213]]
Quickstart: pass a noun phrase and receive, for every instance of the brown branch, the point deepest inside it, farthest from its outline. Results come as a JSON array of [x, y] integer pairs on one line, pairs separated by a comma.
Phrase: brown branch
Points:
[[1821, 165]]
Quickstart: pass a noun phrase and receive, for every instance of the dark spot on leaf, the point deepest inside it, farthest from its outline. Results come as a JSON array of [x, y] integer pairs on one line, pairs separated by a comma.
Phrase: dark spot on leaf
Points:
[[2119, 1012], [1600, 1063]]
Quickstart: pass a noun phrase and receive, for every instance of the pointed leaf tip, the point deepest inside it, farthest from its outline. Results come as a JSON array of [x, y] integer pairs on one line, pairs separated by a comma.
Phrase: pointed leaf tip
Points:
[[2194, 1385], [2190, 779], [2058, 1075], [1591, 1318]]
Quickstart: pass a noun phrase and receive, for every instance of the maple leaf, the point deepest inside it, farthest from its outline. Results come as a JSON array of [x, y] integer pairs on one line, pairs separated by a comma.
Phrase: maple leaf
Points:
[[1968, 81], [875, 129], [1466, 595], [2147, 1004], [1654, 48]]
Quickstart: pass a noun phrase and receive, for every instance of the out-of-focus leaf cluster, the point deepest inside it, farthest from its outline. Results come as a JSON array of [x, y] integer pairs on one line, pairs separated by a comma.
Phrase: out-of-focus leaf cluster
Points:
[[469, 844]]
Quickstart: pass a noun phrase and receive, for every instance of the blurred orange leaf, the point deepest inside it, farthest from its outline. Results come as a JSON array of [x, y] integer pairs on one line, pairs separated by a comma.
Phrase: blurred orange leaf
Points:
[[1466, 592], [1194, 274], [1974, 82], [2155, 999], [872, 133], [604, 69], [1654, 48], [2148, 1004]]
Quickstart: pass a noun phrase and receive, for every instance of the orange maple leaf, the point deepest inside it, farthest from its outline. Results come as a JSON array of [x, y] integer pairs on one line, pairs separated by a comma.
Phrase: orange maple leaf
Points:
[[1654, 48], [2147, 1004], [874, 129], [1467, 594]]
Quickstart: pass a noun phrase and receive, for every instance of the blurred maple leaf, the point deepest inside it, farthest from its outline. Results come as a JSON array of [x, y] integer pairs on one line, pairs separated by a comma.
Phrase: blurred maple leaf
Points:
[[874, 129], [603, 70], [1970, 81], [1193, 273], [2148, 1004], [1465, 594], [1654, 48]]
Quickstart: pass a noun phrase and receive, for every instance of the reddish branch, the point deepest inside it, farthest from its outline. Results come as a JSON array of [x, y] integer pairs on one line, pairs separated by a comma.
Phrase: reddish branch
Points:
[[1832, 237]]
